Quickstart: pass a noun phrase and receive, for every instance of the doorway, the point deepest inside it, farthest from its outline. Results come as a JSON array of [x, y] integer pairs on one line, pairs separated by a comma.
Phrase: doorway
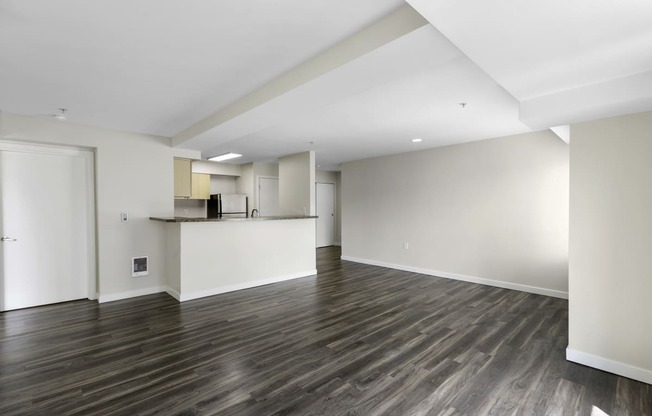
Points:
[[47, 224], [325, 201], [268, 204]]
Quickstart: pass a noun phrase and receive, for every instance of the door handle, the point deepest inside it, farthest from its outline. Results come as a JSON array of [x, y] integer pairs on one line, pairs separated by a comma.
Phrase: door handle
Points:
[[8, 239]]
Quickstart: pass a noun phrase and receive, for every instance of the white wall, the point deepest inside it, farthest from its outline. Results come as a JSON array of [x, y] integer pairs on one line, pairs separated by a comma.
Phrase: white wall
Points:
[[223, 184], [261, 169], [493, 211], [296, 184], [610, 264], [245, 183], [266, 169], [323, 176], [134, 173], [195, 208], [216, 168]]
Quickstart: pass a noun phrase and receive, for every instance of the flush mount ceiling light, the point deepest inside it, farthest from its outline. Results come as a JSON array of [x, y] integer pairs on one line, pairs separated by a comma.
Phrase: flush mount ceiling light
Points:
[[61, 115], [225, 156], [417, 140]]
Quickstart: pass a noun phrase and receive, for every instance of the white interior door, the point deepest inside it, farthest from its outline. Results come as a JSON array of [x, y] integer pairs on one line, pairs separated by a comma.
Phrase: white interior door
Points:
[[45, 220], [267, 196], [325, 214]]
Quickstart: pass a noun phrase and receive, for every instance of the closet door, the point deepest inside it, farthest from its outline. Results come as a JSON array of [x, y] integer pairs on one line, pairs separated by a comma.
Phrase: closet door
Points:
[[44, 224]]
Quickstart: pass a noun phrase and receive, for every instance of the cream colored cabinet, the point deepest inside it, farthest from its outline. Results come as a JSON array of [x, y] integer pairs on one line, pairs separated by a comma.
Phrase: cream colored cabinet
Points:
[[201, 186], [182, 178]]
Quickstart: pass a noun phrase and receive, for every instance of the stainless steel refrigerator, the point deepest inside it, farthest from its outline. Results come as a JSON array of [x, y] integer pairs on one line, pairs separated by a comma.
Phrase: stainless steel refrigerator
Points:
[[227, 205]]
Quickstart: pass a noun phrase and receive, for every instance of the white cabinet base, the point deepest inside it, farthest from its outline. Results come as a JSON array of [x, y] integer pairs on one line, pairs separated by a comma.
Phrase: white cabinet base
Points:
[[208, 258]]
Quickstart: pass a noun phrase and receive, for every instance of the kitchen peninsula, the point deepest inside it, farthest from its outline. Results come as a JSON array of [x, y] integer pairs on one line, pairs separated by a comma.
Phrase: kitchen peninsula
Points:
[[208, 256]]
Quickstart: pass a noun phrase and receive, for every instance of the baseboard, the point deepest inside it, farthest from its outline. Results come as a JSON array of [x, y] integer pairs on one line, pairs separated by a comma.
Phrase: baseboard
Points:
[[608, 365], [204, 293], [232, 288], [173, 293], [464, 278], [130, 294]]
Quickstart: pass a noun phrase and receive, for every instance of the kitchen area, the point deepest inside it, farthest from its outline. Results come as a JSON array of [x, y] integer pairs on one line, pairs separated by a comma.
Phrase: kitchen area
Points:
[[215, 245], [197, 182]]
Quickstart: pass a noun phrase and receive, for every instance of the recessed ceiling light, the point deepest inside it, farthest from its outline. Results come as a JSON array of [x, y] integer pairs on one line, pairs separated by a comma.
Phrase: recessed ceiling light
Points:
[[225, 156], [417, 140]]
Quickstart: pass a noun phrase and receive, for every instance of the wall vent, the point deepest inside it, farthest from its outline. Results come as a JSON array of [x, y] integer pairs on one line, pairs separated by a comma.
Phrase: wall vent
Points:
[[139, 266]]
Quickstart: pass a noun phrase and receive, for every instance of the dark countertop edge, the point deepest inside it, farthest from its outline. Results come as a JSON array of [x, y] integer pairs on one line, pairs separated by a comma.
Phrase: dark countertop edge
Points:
[[189, 219]]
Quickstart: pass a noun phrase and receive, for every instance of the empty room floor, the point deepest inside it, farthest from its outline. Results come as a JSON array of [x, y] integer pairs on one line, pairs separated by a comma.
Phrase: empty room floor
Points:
[[352, 340]]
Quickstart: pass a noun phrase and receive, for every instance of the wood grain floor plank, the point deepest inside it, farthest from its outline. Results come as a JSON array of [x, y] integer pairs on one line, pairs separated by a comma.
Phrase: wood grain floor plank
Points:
[[352, 340]]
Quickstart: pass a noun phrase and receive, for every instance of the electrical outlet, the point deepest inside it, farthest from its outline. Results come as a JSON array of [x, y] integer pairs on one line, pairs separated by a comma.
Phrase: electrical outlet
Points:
[[406, 246], [124, 217]]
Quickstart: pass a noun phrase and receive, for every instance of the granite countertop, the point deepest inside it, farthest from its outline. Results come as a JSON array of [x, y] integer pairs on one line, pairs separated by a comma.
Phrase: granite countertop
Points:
[[191, 219]]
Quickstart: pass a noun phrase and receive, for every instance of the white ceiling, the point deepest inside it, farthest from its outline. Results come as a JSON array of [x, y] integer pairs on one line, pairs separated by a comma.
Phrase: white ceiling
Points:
[[376, 104], [158, 66], [161, 66], [565, 61], [539, 48]]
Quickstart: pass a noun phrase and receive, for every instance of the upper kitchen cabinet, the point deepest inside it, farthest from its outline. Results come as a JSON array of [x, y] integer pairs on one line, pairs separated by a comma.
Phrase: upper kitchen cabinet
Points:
[[201, 186], [182, 178]]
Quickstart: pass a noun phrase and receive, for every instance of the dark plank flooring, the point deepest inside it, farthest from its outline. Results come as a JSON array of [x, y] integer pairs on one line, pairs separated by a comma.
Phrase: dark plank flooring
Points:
[[353, 340]]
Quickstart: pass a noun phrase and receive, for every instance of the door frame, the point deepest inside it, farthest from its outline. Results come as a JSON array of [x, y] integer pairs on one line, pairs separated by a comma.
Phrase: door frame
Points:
[[88, 154]]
